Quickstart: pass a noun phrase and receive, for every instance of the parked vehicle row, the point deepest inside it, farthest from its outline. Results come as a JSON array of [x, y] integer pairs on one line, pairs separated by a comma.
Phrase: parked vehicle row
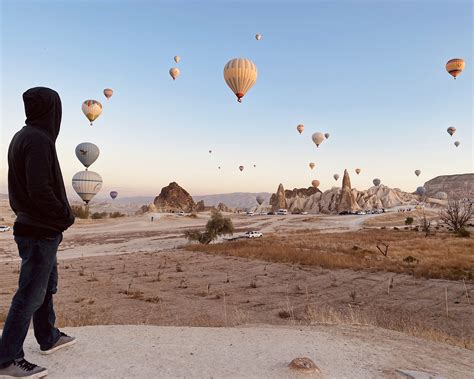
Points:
[[366, 212]]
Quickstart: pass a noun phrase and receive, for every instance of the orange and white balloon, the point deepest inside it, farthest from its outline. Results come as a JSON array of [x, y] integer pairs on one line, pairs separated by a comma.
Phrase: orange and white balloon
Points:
[[240, 74]]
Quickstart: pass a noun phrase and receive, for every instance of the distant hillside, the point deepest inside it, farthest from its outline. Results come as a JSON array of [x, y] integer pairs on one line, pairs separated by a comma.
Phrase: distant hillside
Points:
[[456, 186], [234, 200]]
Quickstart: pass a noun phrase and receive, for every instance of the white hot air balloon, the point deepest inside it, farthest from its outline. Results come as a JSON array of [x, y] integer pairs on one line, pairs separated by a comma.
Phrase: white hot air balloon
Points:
[[318, 138], [92, 109], [177, 58], [87, 153], [441, 195], [174, 72], [336, 177], [258, 37], [86, 184], [240, 74]]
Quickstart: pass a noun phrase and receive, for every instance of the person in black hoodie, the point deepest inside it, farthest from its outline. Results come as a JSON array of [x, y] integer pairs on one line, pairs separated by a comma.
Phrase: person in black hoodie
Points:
[[38, 198]]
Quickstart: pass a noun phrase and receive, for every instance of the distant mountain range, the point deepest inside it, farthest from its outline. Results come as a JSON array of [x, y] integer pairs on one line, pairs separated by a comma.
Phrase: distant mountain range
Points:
[[235, 199]]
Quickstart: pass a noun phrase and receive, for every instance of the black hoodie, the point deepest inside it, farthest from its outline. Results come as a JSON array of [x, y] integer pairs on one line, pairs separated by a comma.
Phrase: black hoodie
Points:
[[35, 183]]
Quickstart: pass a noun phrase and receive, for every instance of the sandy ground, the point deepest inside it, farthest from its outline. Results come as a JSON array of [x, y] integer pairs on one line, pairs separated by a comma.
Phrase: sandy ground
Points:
[[251, 352]]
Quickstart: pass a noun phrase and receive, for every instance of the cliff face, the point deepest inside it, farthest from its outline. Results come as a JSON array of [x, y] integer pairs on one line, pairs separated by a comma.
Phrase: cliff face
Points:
[[456, 186], [174, 198], [347, 201], [278, 199]]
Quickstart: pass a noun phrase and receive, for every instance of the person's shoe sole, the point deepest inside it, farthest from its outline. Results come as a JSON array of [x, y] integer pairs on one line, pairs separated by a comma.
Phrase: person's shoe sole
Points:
[[52, 350], [38, 375]]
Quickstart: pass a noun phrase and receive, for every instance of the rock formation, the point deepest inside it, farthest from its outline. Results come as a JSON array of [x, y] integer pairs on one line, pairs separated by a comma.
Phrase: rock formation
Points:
[[200, 206], [278, 200], [456, 186], [173, 198], [347, 201], [224, 208]]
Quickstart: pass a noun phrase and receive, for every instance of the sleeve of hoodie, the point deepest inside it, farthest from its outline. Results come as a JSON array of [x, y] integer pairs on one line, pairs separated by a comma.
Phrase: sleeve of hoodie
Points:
[[39, 166]]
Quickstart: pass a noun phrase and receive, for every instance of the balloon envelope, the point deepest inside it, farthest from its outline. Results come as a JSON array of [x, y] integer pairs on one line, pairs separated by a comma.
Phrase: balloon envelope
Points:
[[421, 191], [240, 74], [357, 170], [86, 184], [177, 58], [91, 109], [318, 138], [260, 199], [376, 182], [312, 165], [326, 135], [315, 183], [451, 130], [300, 128], [417, 172], [441, 195], [108, 93], [87, 153], [113, 194], [457, 143], [455, 67], [241, 168], [336, 176], [174, 72], [258, 37]]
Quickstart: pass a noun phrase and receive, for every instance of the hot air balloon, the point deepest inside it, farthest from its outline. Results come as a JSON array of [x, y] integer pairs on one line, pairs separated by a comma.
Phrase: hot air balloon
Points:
[[315, 183], [441, 195], [240, 74], [254, 165], [241, 168], [451, 130], [326, 135], [108, 93], [336, 177], [421, 191], [376, 182], [92, 109], [219, 167], [174, 72], [455, 67], [457, 143], [318, 138], [417, 172], [312, 165], [87, 153], [260, 199], [258, 37], [300, 128], [86, 184], [113, 194], [210, 151], [177, 58], [357, 170]]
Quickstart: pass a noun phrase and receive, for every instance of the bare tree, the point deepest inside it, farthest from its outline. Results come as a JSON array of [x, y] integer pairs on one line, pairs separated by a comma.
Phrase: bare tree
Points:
[[457, 214], [425, 225]]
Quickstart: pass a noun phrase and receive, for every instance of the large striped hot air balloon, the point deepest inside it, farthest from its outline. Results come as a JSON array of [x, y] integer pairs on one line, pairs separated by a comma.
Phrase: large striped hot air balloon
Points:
[[240, 74], [87, 153], [92, 109], [86, 184], [455, 67]]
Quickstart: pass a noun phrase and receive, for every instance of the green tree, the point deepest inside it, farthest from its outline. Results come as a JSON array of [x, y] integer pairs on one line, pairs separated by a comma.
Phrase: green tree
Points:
[[217, 225], [409, 220]]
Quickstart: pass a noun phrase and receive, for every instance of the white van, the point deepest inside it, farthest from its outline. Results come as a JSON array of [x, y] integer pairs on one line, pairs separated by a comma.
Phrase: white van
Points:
[[282, 212]]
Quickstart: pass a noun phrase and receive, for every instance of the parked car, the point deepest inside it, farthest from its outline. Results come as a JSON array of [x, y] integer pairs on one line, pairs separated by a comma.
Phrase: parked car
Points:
[[270, 213], [282, 212], [253, 234], [304, 213], [250, 213], [180, 213], [4, 228]]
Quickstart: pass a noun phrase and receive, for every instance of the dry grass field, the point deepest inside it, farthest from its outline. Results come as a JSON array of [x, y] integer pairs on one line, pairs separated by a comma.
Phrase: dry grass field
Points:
[[441, 255]]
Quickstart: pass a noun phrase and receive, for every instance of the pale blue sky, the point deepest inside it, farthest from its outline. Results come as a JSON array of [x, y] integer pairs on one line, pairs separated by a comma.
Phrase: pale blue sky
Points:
[[371, 73]]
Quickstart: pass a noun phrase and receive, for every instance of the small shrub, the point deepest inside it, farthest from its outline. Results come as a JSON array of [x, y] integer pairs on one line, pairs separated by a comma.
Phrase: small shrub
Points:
[[463, 233], [98, 215], [409, 220], [80, 212], [116, 215], [218, 225]]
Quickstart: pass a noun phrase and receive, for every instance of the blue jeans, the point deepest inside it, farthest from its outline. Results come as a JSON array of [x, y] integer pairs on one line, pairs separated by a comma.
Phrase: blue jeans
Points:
[[34, 298]]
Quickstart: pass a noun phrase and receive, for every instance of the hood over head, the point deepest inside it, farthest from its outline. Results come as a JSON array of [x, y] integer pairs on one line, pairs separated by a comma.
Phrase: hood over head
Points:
[[43, 110]]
